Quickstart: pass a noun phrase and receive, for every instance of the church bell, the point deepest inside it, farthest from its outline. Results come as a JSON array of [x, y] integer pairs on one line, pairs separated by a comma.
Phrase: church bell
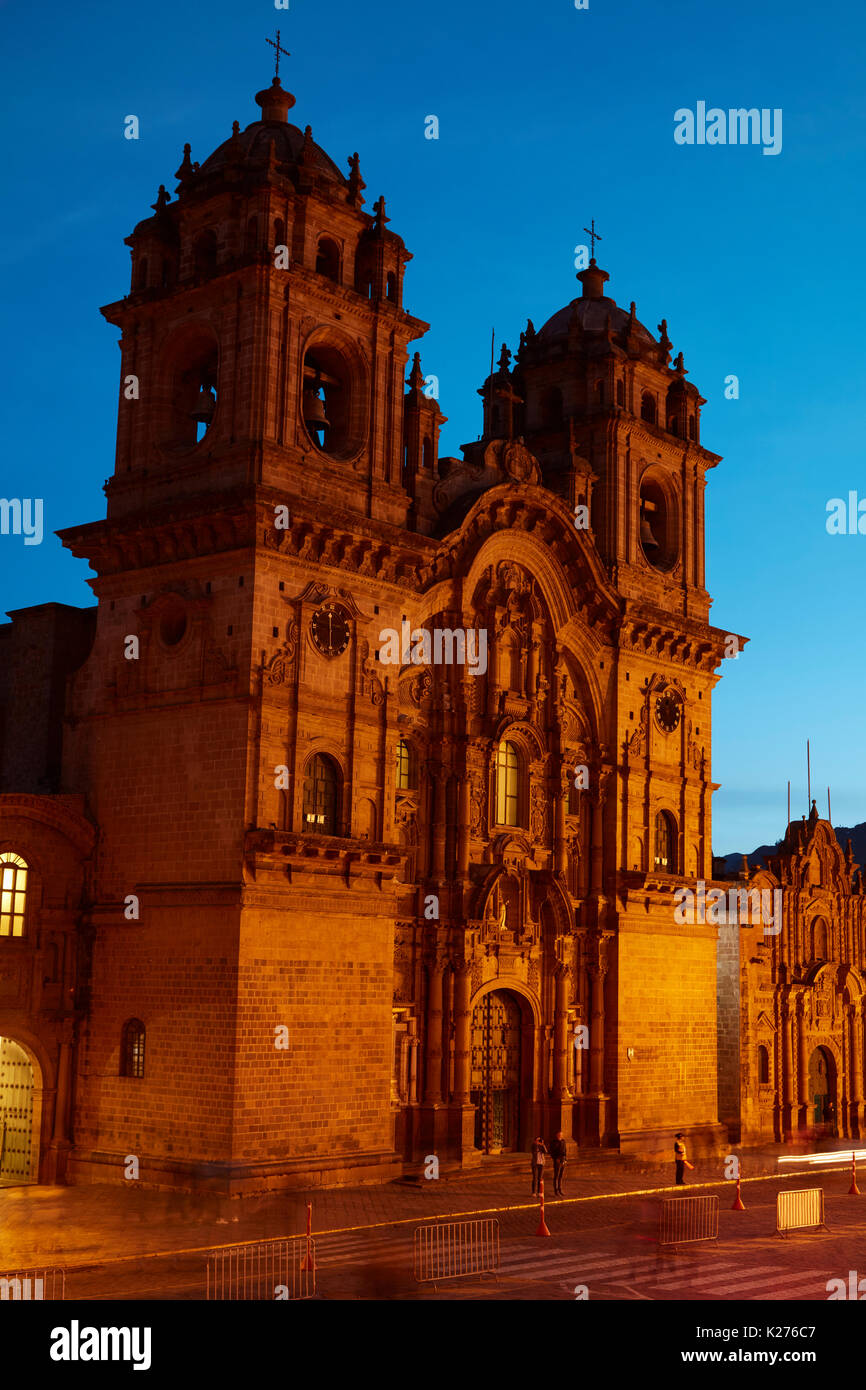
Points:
[[204, 407], [647, 539], [314, 409]]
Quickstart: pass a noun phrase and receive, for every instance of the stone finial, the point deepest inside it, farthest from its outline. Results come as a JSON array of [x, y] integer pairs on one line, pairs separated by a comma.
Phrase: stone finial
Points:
[[356, 183], [415, 380], [185, 172]]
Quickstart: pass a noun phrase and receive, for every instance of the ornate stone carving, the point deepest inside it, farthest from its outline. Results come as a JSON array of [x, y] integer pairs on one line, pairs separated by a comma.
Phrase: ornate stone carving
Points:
[[280, 669]]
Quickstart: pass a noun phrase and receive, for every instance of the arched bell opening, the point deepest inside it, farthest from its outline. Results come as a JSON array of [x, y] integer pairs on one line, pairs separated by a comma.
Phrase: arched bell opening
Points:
[[332, 401], [191, 389]]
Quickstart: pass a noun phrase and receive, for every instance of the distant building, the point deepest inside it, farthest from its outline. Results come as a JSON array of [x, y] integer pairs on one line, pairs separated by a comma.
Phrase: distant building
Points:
[[276, 910], [791, 1020]]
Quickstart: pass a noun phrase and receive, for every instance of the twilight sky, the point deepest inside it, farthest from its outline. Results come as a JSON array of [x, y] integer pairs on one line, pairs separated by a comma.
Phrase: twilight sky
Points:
[[548, 116]]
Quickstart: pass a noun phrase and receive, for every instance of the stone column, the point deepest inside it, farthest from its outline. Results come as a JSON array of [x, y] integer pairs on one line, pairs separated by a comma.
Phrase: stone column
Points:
[[560, 1035], [439, 781], [462, 1017], [559, 845], [433, 1092], [803, 1069], [787, 1068], [61, 1105], [463, 799]]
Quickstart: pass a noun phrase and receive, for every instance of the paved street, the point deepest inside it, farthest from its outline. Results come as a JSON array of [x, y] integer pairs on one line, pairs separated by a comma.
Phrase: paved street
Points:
[[131, 1244]]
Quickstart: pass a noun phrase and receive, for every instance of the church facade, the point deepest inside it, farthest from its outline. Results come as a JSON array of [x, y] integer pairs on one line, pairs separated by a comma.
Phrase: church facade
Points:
[[345, 830], [792, 1015]]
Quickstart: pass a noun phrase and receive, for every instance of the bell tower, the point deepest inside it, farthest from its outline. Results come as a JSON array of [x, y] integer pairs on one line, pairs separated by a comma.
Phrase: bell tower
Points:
[[264, 338]]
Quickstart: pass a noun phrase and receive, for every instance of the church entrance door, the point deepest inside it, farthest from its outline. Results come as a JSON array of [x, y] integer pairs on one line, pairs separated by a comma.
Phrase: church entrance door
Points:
[[495, 1093], [822, 1089], [16, 1114]]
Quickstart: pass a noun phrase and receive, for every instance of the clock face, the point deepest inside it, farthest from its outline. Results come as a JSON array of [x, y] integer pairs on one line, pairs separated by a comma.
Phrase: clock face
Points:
[[668, 711], [329, 629]]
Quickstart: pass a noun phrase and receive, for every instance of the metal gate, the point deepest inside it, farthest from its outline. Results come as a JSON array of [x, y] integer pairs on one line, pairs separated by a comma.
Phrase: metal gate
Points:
[[264, 1270], [16, 1113], [800, 1210], [495, 1085], [683, 1220], [451, 1249]]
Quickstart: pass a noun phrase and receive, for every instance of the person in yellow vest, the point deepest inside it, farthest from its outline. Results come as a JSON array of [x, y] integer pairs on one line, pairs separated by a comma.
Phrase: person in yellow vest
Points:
[[682, 1161]]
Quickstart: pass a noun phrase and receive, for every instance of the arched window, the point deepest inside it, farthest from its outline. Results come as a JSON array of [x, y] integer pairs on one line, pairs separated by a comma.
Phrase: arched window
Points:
[[821, 946], [763, 1066], [13, 894], [328, 259], [507, 784], [132, 1048], [279, 232], [405, 772], [427, 455], [693, 429], [620, 392], [320, 796], [648, 407], [391, 287], [666, 843]]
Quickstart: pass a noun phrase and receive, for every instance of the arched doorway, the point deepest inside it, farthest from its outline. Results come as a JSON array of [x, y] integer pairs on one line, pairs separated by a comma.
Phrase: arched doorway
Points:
[[822, 1089], [497, 1024], [19, 1143]]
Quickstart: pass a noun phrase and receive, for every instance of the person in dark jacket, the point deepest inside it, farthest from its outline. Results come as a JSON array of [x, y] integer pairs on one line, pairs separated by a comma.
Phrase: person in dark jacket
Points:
[[539, 1154], [559, 1154]]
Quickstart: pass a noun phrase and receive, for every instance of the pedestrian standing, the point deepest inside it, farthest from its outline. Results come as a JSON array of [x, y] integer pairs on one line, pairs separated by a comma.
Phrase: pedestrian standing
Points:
[[539, 1154], [559, 1154], [681, 1159]]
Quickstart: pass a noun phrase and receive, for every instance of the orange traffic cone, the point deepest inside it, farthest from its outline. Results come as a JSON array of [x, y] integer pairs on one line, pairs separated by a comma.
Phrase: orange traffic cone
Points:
[[853, 1190], [542, 1225], [738, 1204]]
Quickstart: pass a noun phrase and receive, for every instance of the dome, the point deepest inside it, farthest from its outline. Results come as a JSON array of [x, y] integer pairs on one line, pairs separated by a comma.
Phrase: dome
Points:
[[592, 315], [252, 146], [592, 310]]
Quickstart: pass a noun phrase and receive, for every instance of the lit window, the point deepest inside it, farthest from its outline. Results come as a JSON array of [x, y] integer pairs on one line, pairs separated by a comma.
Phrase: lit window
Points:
[[13, 894], [132, 1049], [665, 857], [320, 797], [507, 785], [404, 778]]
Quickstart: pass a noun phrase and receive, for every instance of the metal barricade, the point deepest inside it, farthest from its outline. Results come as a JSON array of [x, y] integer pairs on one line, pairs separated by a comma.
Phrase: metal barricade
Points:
[[33, 1284], [450, 1249], [799, 1210], [683, 1220], [268, 1269]]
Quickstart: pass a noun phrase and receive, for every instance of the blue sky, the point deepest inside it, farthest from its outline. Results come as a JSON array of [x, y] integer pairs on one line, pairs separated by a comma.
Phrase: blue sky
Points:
[[548, 116]]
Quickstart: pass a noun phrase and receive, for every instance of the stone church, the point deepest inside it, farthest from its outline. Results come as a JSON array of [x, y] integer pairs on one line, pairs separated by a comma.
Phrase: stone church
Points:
[[278, 907]]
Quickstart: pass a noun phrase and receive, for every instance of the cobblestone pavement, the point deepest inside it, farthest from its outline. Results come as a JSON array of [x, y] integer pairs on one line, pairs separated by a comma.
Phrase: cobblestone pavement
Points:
[[127, 1242]]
